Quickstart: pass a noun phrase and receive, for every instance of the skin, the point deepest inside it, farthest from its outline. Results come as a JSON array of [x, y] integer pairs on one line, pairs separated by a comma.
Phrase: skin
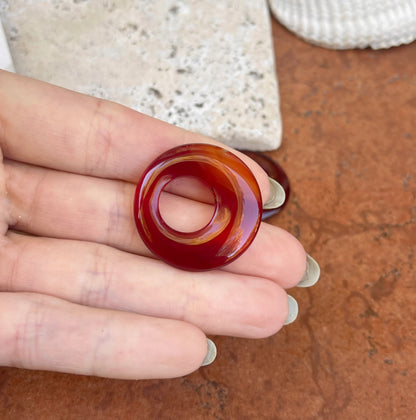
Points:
[[79, 291]]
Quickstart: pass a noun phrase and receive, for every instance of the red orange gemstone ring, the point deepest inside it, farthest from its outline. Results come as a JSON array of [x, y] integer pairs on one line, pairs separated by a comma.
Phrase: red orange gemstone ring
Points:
[[236, 218]]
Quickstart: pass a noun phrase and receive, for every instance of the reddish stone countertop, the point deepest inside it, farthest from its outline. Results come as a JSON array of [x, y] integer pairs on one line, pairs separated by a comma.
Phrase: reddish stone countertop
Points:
[[349, 148]]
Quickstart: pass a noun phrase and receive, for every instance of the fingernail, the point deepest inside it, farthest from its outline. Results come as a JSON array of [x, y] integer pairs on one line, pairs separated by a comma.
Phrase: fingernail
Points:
[[312, 273], [211, 353], [277, 195], [293, 310]]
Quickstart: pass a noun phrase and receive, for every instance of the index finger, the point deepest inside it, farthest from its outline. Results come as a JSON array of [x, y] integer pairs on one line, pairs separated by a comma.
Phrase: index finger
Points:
[[48, 126]]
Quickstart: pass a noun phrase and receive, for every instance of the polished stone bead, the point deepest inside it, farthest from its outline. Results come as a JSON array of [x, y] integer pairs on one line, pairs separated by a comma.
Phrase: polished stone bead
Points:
[[236, 217], [273, 170]]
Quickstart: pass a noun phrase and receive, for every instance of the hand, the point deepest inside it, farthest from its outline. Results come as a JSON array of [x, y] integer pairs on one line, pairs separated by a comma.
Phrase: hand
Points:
[[79, 291]]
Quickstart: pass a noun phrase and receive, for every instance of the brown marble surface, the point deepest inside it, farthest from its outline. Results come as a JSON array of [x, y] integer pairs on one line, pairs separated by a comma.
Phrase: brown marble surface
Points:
[[350, 151]]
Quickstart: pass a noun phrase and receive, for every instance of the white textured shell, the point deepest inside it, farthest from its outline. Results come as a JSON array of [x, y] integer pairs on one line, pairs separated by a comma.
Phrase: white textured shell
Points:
[[6, 62], [344, 24]]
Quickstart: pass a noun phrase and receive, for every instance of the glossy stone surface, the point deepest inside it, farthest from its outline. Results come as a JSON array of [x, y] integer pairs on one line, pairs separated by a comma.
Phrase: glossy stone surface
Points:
[[275, 171], [237, 213]]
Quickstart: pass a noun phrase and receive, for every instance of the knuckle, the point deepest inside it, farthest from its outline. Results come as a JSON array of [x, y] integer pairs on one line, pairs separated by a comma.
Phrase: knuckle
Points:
[[10, 257], [5, 208], [98, 139], [98, 278], [116, 217], [31, 329]]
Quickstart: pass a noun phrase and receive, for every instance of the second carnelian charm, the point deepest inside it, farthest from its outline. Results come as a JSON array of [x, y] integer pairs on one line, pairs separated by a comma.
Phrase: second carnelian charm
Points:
[[237, 213]]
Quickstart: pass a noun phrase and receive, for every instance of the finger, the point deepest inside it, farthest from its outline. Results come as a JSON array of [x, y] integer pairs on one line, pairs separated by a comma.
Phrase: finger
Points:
[[43, 332], [53, 127], [4, 202], [96, 275], [60, 205]]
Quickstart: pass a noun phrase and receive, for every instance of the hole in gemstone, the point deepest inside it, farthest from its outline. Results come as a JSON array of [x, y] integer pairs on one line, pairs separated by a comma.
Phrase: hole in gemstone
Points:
[[184, 204]]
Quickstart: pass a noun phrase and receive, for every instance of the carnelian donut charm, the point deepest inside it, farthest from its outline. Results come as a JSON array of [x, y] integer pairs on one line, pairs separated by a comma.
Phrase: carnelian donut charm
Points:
[[275, 171], [237, 213]]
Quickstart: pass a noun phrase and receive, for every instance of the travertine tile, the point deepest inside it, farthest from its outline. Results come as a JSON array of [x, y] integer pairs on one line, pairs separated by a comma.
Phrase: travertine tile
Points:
[[203, 65]]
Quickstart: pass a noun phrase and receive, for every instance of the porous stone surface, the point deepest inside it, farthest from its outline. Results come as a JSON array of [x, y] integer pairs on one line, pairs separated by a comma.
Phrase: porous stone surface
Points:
[[205, 66]]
